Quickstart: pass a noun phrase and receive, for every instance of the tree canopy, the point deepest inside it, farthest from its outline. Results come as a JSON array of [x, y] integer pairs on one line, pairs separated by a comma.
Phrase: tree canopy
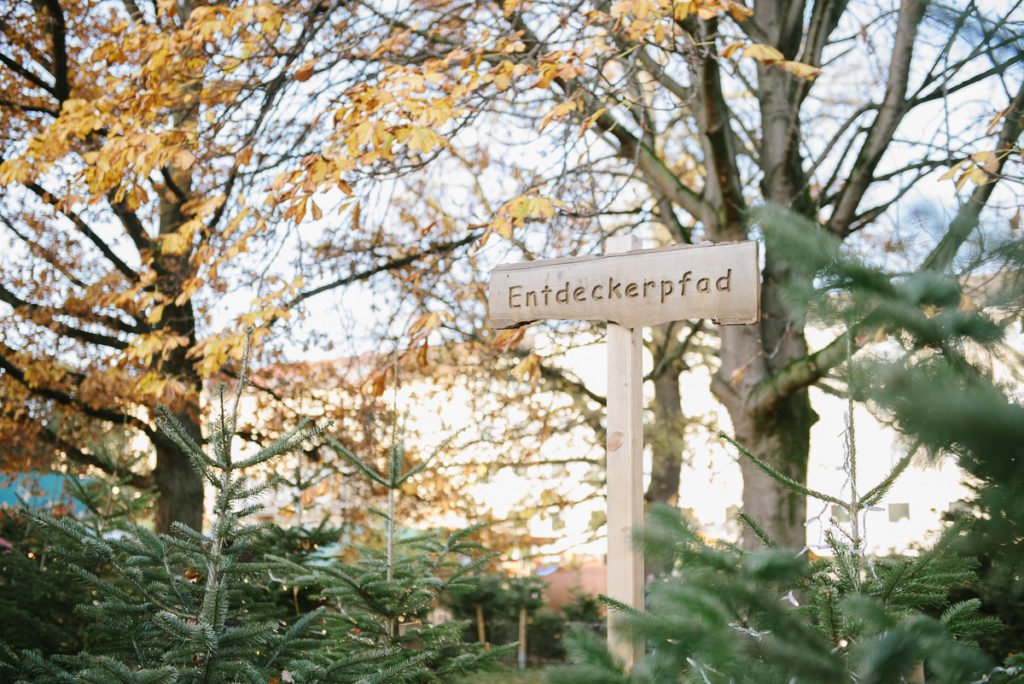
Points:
[[161, 159]]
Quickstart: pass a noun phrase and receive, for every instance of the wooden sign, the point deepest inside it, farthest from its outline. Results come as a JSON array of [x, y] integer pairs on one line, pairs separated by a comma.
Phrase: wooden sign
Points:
[[643, 287], [629, 288]]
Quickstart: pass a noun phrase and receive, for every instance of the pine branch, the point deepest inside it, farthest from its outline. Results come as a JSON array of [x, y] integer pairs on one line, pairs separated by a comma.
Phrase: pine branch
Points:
[[779, 477]]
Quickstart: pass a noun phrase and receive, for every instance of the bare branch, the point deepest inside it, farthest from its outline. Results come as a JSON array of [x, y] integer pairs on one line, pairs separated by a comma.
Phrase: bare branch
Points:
[[131, 222], [45, 316], [58, 37], [27, 75], [84, 458], [653, 170], [390, 265], [808, 370], [66, 399], [47, 254], [84, 228], [890, 114], [966, 219], [10, 104]]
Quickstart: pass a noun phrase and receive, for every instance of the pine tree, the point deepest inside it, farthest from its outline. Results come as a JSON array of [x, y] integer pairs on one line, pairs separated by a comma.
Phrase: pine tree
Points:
[[174, 607], [772, 616], [37, 591], [251, 601], [380, 630]]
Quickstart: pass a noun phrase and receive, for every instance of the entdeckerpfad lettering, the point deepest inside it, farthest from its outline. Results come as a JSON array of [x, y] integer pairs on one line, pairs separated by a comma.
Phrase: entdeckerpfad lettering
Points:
[[519, 296]]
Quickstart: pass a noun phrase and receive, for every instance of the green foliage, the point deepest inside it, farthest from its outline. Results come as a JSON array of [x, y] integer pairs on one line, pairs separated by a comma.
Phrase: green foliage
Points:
[[771, 616], [582, 608], [727, 616], [250, 602], [381, 629], [500, 597], [544, 635], [37, 590], [177, 607]]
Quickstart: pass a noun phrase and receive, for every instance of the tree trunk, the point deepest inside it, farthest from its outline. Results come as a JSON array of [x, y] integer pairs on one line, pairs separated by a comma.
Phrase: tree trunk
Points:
[[667, 439], [779, 432], [782, 439], [667, 434], [180, 488]]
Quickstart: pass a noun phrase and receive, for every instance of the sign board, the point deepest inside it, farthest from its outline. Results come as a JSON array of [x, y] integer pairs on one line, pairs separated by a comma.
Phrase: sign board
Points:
[[637, 288], [629, 287]]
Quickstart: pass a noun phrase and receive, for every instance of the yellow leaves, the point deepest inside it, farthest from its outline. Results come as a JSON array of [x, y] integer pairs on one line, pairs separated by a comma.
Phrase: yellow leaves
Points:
[[558, 112], [42, 374], [641, 18], [993, 123], [179, 241], [144, 348], [305, 71], [681, 10], [979, 168], [155, 314], [420, 139], [80, 118], [737, 10], [591, 120], [551, 69], [638, 8], [13, 171], [211, 355], [377, 382], [424, 324], [505, 72], [987, 160], [152, 384], [182, 159], [729, 50], [520, 209], [528, 368], [762, 53], [507, 340], [771, 56], [800, 70]]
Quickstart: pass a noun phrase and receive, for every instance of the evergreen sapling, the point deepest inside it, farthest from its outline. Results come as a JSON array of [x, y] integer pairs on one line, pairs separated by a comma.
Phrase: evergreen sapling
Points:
[[173, 608]]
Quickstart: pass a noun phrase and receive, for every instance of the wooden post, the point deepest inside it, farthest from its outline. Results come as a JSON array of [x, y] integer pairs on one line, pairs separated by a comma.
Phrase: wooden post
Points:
[[646, 287], [480, 634], [522, 638], [625, 471]]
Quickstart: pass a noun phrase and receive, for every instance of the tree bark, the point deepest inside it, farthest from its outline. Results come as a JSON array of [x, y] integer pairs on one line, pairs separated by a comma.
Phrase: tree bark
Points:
[[667, 433], [180, 487], [781, 438]]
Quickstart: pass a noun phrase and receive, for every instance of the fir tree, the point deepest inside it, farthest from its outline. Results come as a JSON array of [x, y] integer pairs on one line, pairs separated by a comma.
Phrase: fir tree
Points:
[[174, 607], [249, 602], [380, 628], [37, 591], [772, 616]]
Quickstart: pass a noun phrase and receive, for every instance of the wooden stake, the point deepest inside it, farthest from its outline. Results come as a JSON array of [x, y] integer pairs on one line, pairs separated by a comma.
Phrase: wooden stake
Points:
[[625, 471], [522, 638], [480, 634]]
